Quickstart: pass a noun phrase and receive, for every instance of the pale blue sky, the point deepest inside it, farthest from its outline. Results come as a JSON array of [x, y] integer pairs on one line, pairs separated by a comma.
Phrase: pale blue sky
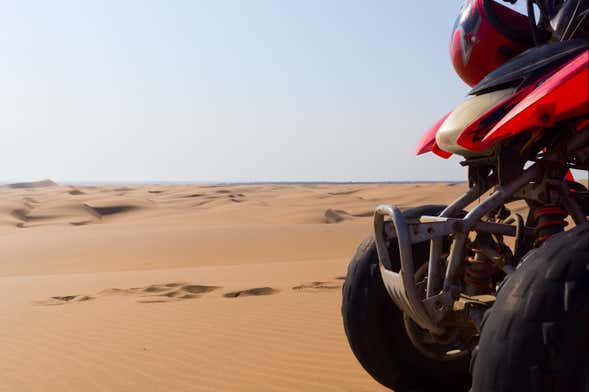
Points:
[[220, 90]]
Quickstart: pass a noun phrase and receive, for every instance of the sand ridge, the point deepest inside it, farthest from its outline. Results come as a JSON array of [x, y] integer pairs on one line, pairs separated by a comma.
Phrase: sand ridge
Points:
[[30, 204]]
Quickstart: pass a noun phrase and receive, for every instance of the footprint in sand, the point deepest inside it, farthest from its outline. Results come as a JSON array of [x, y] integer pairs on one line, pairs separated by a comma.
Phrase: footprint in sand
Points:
[[81, 223], [67, 299], [316, 286], [157, 293], [251, 292]]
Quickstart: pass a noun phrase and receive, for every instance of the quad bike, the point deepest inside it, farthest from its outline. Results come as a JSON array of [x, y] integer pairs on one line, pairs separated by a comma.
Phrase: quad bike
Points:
[[472, 295]]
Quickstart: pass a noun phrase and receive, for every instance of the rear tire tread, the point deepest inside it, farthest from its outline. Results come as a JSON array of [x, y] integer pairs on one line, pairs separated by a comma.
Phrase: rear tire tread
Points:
[[539, 306]]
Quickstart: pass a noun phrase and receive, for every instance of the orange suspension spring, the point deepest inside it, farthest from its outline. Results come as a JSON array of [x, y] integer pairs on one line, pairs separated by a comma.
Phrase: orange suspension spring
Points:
[[478, 274], [550, 220]]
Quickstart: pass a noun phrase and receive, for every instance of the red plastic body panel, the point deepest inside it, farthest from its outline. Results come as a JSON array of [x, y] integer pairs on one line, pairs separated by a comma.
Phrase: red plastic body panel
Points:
[[563, 95], [441, 153], [472, 135], [428, 140]]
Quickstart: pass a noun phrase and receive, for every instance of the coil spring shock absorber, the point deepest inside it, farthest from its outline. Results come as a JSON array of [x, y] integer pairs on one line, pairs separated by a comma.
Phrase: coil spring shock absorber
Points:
[[550, 220], [478, 273]]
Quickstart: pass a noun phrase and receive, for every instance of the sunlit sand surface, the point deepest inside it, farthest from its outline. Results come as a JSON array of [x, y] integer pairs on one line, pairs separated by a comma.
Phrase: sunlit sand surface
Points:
[[183, 288]]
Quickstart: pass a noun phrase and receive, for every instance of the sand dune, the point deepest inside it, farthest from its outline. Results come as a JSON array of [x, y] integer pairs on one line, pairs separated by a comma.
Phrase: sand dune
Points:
[[184, 288], [32, 184]]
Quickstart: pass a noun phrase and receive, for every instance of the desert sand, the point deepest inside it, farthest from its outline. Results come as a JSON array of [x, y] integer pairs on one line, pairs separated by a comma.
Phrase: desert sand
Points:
[[183, 288]]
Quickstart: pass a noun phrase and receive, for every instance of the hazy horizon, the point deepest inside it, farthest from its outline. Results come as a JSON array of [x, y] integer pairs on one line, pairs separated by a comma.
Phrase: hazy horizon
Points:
[[225, 91], [165, 183]]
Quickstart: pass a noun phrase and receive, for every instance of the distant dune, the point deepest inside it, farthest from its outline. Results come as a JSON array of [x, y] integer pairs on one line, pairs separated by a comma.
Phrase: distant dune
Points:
[[31, 184]]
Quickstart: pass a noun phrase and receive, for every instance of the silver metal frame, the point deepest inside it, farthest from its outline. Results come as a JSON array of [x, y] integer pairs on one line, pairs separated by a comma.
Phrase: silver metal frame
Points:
[[401, 284]]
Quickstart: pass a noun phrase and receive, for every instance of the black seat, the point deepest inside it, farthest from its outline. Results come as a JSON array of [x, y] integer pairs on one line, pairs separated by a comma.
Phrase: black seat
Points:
[[530, 64]]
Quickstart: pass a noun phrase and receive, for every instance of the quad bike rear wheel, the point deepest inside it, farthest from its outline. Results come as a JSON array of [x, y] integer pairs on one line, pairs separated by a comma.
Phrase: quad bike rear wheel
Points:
[[376, 330], [536, 336]]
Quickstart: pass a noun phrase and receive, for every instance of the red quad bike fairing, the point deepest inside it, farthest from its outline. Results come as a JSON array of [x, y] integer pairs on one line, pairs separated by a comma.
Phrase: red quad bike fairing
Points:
[[560, 94], [473, 294], [563, 95]]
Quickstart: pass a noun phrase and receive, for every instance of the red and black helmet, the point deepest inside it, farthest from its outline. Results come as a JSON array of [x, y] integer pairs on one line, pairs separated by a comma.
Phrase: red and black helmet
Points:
[[486, 35]]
